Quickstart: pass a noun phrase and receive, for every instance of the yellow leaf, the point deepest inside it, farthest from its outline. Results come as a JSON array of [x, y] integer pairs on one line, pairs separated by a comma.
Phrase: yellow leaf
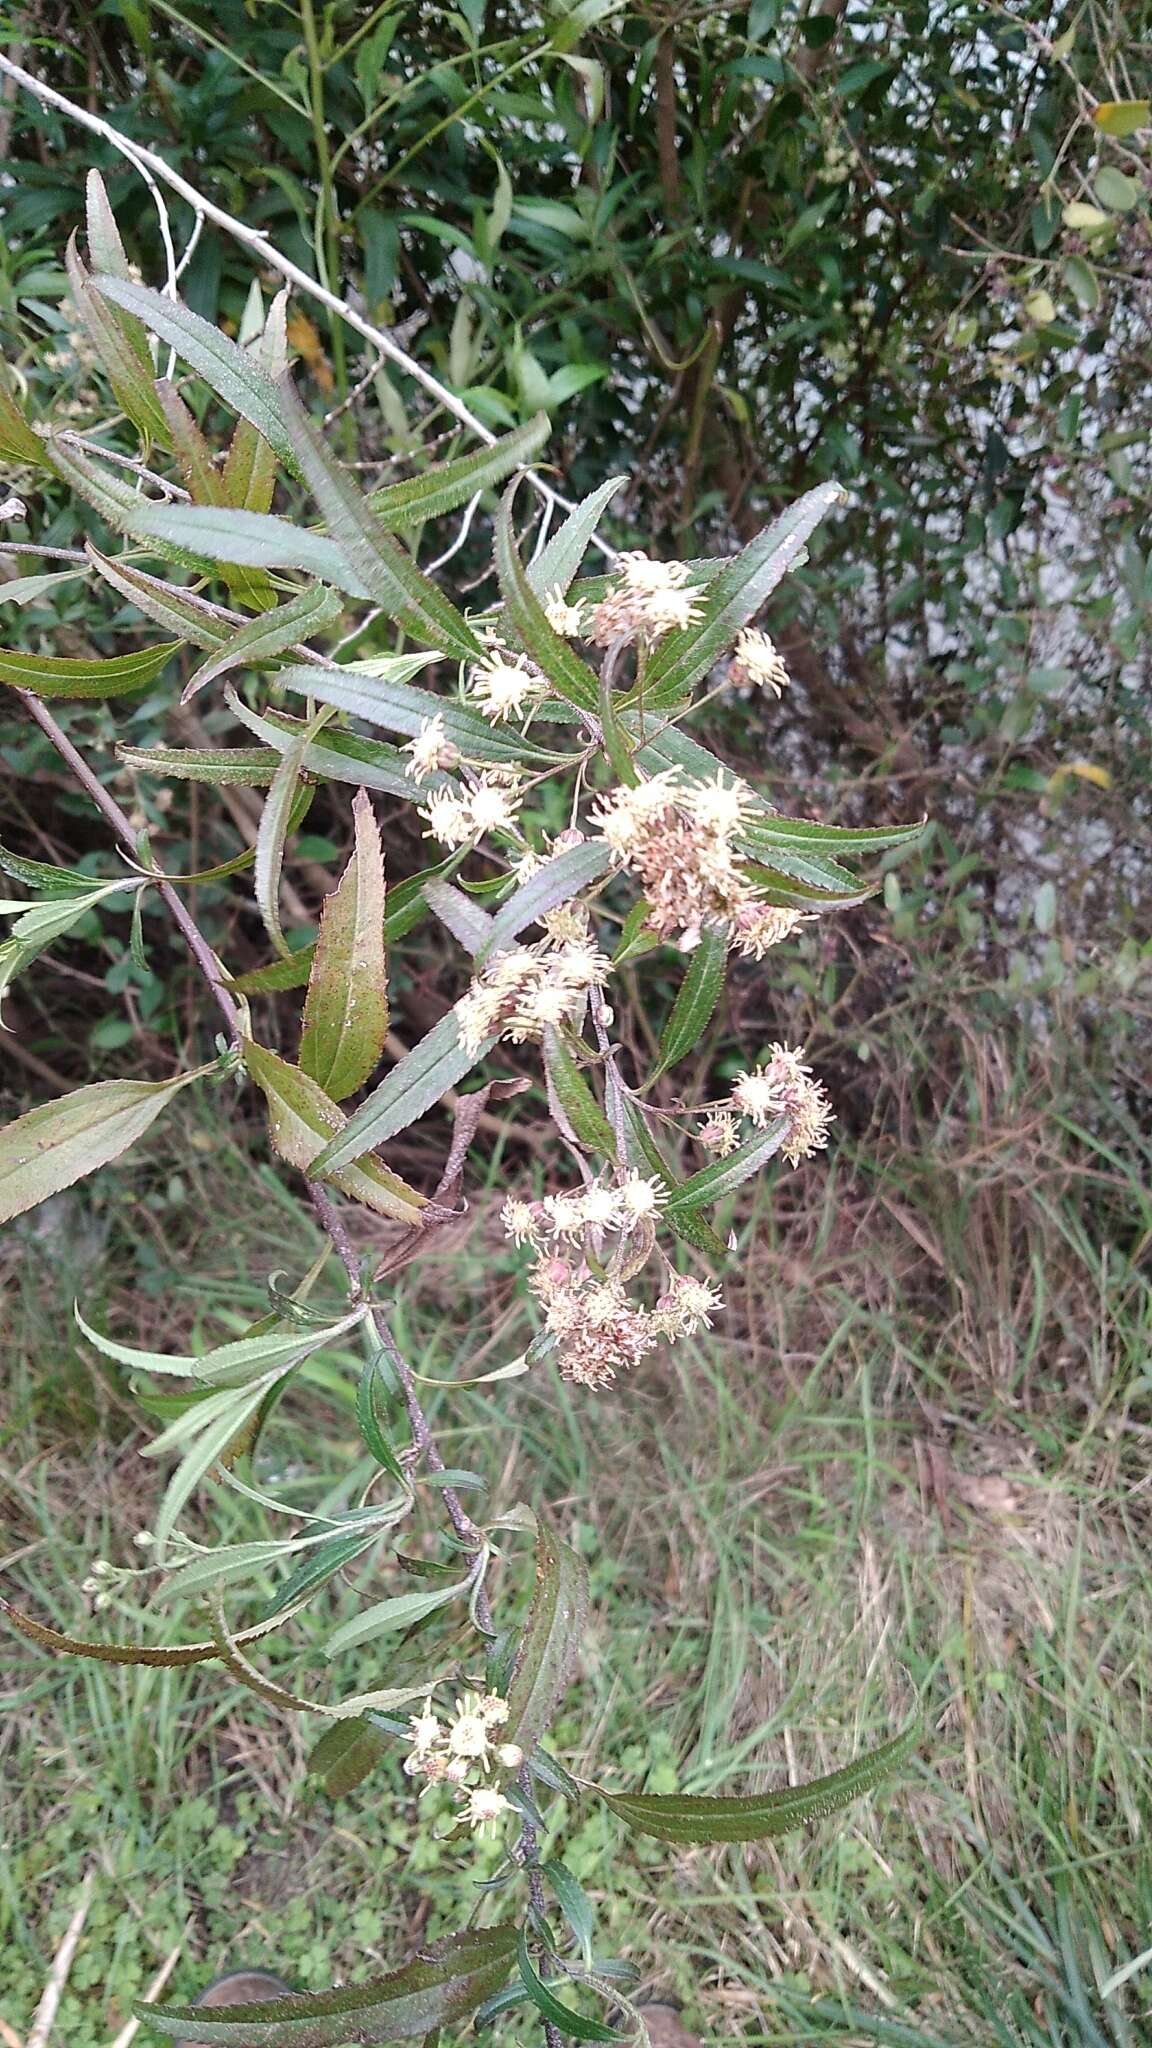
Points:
[[1040, 307], [1122, 117], [1087, 219], [1086, 771], [305, 339]]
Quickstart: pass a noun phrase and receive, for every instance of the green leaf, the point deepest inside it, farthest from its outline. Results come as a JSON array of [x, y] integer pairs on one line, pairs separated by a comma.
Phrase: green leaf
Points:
[[104, 244], [225, 767], [166, 604], [231, 372], [399, 708], [50, 675], [735, 597], [399, 1612], [696, 998], [681, 1818], [406, 908], [346, 1009], [560, 561], [550, 1642], [272, 834], [263, 1352], [193, 455], [1122, 117], [336, 756], [168, 1655], [30, 589], [39, 924], [372, 1420], [345, 1754], [449, 484], [212, 1430], [575, 1098], [301, 1117], [63, 1141], [1082, 282], [217, 533], [386, 569], [713, 1182], [123, 351], [263, 638], [554, 2010], [316, 1569], [415, 1085], [556, 882], [1115, 190], [18, 443], [806, 834], [570, 677], [575, 1905], [685, 1224], [445, 1983], [49, 880], [459, 915]]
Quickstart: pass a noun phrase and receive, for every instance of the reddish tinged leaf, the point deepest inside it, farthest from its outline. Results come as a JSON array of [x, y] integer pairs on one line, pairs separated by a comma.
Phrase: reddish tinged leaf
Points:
[[346, 1008], [302, 1119], [168, 1654]]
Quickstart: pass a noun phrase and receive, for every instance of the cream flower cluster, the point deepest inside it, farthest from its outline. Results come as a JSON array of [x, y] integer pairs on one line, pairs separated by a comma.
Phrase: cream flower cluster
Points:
[[678, 837], [623, 1207], [647, 599], [600, 1331], [756, 662], [464, 1752], [455, 816], [528, 988], [783, 1086], [430, 750]]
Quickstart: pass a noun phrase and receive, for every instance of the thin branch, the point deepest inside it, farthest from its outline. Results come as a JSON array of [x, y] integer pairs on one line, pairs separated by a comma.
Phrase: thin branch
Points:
[[61, 1965], [151, 167]]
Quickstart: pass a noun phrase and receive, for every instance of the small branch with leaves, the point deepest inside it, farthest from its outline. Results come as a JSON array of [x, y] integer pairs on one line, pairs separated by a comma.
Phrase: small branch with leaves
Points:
[[560, 697]]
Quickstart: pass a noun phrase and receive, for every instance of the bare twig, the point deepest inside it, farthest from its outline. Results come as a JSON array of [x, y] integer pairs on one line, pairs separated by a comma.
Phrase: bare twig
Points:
[[61, 1965], [129, 2031]]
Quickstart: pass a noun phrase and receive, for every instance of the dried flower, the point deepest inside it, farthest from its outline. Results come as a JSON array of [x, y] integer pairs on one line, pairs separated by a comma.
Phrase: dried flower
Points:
[[688, 1305], [678, 838], [758, 926], [431, 749], [505, 688], [719, 1133], [757, 662], [783, 1087], [528, 988]]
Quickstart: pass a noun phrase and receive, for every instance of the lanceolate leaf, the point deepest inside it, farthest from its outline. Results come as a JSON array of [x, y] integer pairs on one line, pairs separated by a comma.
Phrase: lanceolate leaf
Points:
[[169, 1654], [301, 1116], [388, 1616], [416, 1083], [686, 1224], [276, 822], [385, 567], [104, 244], [550, 1641], [318, 1567], [264, 1352], [713, 1182], [49, 675], [444, 1984], [251, 767], [449, 484], [559, 879], [575, 1098], [569, 2022], [129, 371], [346, 1010], [336, 756], [697, 997], [682, 1818], [17, 441], [232, 372], [166, 604], [212, 534], [406, 908], [463, 918], [560, 561], [569, 676], [735, 597], [263, 638], [193, 455], [399, 708], [345, 1754], [58, 1144]]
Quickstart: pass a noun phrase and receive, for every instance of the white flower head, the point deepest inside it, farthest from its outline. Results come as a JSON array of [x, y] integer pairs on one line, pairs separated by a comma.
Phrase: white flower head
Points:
[[756, 661], [485, 1806], [719, 806], [505, 688], [563, 617], [431, 749], [521, 1220], [448, 817], [640, 1200], [688, 1305], [492, 805]]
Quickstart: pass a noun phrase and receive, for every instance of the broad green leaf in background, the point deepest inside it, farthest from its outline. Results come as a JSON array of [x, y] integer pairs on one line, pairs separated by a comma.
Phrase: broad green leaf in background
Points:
[[445, 1983], [346, 1008], [345, 1754], [61, 1142], [1122, 117], [682, 1818], [550, 1642], [268, 635], [231, 372], [696, 999], [301, 1117], [115, 675]]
